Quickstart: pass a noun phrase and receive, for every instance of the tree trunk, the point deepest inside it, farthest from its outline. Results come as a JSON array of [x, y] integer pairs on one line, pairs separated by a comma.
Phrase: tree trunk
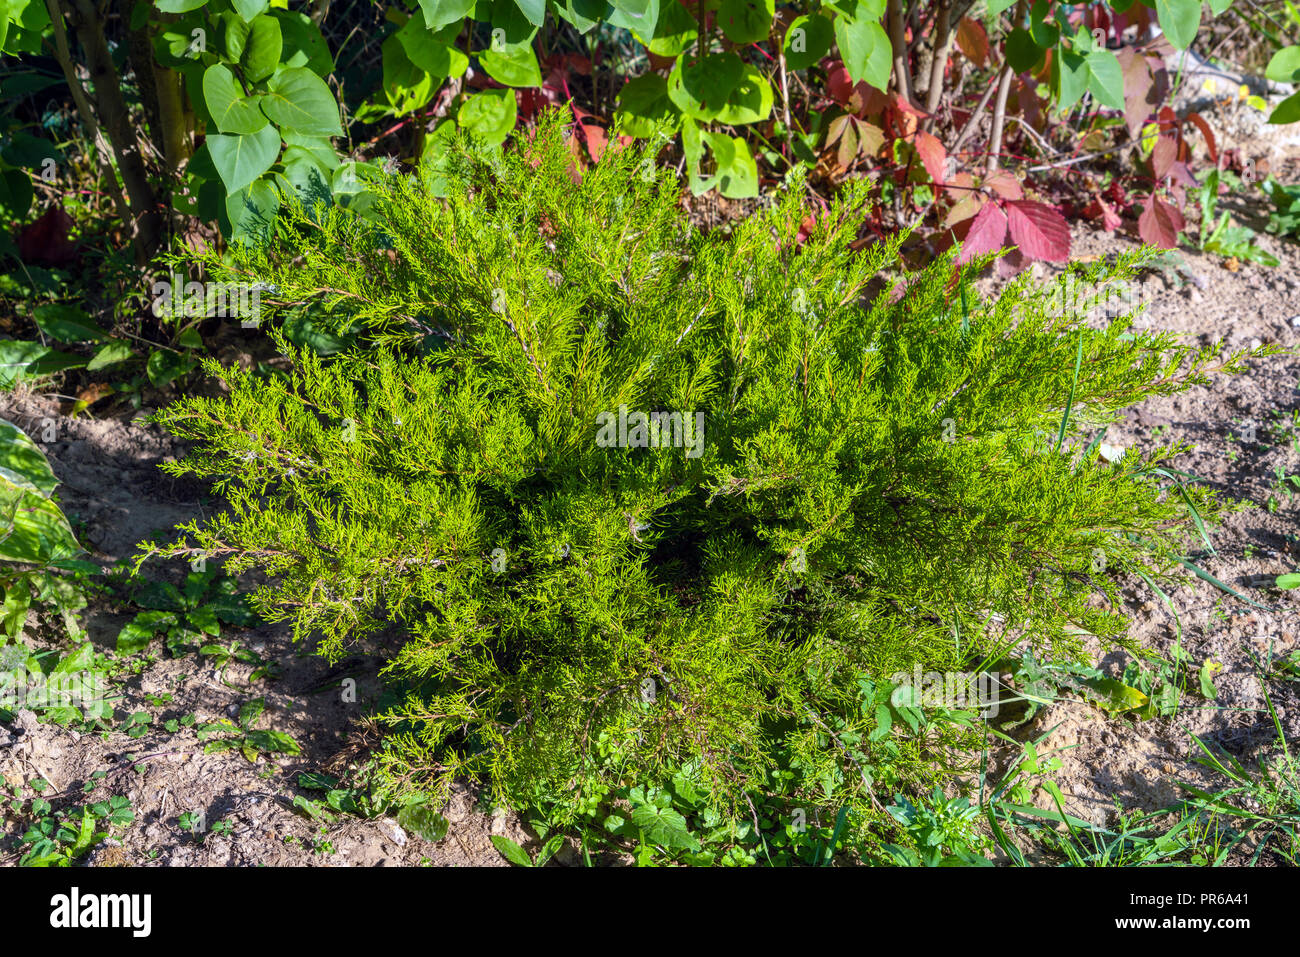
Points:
[[115, 120]]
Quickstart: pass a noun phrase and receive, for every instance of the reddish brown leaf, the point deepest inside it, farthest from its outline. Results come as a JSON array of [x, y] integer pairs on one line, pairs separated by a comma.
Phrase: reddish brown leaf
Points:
[[1040, 231], [1100, 209], [870, 136], [1160, 223], [973, 41], [1164, 155], [932, 155], [963, 210], [1005, 185], [1138, 83], [959, 186], [987, 233], [46, 242], [860, 100], [1204, 127]]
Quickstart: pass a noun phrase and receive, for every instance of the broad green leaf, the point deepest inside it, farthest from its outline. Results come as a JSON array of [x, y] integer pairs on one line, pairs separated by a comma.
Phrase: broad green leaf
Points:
[[439, 13], [22, 462], [807, 41], [318, 146], [67, 324], [1179, 19], [273, 742], [665, 827], [303, 43], [866, 51], [1284, 67], [639, 16], [583, 14], [264, 50], [1219, 6], [298, 100], [234, 36], [700, 90], [249, 9], [489, 114], [251, 212], [514, 65], [534, 10], [750, 101], [1106, 78], [1289, 580], [424, 821], [251, 711], [1070, 71], [427, 53], [231, 110], [1288, 111], [511, 851], [140, 631], [110, 354], [407, 87], [16, 193], [746, 21], [178, 6], [674, 33], [20, 359], [164, 365], [1041, 28], [1021, 50], [32, 528], [736, 170], [1115, 695], [643, 105], [241, 159]]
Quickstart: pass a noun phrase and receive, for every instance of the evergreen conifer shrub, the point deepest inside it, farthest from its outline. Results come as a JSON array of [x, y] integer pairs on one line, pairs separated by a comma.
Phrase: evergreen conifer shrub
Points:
[[638, 499]]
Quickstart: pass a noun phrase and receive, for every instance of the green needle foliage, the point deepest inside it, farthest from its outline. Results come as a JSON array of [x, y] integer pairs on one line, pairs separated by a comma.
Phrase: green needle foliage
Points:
[[881, 481]]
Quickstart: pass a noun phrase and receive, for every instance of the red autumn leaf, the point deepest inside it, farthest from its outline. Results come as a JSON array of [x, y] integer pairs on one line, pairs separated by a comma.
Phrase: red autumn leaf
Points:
[[901, 104], [988, 230], [932, 155], [1005, 185], [588, 129], [1204, 127], [1181, 175], [1038, 230], [973, 41], [1160, 223], [1164, 155], [1100, 209]]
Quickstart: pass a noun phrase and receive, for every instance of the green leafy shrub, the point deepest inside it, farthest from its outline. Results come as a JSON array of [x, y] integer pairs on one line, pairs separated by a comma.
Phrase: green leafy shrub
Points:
[[887, 476]]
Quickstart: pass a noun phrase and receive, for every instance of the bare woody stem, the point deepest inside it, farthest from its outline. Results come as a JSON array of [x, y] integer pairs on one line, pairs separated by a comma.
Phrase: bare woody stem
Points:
[[939, 59], [1000, 105], [139, 208], [87, 115], [898, 41]]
